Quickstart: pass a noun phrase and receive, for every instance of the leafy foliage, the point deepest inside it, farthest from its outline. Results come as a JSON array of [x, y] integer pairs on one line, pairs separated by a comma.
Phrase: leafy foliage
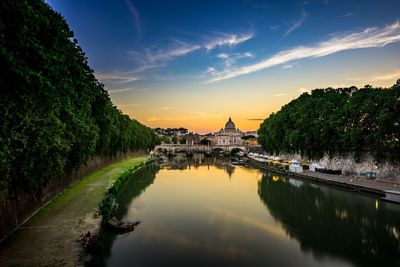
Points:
[[337, 121], [54, 114]]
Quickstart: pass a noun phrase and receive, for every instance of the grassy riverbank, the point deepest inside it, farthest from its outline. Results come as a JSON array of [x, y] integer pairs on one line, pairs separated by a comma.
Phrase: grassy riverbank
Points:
[[48, 238]]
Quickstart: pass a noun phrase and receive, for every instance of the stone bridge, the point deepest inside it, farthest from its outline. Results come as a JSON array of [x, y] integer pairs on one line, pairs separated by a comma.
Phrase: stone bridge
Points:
[[189, 148]]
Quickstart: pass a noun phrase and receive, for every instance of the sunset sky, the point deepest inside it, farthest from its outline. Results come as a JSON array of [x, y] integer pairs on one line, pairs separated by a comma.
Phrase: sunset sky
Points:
[[195, 63]]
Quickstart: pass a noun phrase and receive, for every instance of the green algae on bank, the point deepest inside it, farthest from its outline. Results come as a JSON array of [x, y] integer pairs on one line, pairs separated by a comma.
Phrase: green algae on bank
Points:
[[48, 238]]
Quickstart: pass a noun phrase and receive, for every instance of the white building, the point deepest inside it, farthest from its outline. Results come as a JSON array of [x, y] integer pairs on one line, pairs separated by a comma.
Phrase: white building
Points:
[[229, 135]]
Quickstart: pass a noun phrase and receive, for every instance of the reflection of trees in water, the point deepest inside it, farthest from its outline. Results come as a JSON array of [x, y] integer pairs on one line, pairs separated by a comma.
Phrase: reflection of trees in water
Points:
[[134, 187], [182, 162], [327, 221]]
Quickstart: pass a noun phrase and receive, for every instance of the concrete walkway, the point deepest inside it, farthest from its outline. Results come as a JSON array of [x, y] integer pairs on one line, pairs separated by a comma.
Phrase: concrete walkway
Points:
[[49, 237], [355, 183], [362, 183]]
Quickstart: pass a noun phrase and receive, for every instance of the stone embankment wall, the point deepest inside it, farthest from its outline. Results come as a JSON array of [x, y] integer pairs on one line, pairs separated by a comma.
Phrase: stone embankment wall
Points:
[[15, 211], [348, 165]]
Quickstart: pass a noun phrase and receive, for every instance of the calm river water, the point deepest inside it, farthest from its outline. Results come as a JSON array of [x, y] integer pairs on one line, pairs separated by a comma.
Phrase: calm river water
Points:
[[206, 212]]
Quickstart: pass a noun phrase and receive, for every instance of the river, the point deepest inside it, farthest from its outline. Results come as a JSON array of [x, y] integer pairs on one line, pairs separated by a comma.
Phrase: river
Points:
[[206, 212]]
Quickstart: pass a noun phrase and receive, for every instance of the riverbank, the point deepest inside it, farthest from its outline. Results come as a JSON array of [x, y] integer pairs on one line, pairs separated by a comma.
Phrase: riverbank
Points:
[[49, 237], [354, 183]]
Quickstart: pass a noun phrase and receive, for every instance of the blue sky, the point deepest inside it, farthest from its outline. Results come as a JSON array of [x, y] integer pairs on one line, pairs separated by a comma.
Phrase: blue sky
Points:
[[194, 63]]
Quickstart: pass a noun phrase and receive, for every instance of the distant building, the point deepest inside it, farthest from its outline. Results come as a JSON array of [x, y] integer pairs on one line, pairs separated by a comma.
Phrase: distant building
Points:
[[229, 135]]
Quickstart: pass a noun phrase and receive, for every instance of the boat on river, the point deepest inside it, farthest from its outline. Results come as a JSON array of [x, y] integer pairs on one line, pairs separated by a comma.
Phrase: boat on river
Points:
[[295, 166], [120, 226]]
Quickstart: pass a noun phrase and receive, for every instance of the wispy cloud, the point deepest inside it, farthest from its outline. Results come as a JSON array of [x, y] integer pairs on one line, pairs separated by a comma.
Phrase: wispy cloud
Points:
[[210, 70], [122, 78], [178, 48], [164, 77], [135, 15], [231, 59], [117, 82], [273, 27], [368, 38], [255, 119], [227, 40], [160, 55], [117, 91], [378, 77], [393, 76], [348, 14], [296, 24], [287, 66]]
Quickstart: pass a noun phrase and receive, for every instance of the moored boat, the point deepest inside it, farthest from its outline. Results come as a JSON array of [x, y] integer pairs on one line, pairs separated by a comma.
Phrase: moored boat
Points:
[[119, 226], [295, 166]]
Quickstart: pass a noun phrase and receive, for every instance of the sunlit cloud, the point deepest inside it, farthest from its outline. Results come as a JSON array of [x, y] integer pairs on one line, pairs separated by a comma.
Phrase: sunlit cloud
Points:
[[348, 14], [391, 76], [296, 24], [368, 38]]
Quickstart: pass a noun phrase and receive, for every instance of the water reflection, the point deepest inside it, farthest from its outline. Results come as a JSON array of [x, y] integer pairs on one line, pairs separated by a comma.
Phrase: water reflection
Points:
[[134, 187], [194, 214], [182, 162], [331, 223]]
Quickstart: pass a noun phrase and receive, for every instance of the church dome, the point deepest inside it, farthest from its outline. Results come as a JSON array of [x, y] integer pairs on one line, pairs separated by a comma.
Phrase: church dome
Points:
[[230, 125]]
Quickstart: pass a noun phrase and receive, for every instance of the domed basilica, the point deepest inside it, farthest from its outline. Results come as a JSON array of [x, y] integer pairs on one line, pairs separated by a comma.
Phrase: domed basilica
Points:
[[229, 135]]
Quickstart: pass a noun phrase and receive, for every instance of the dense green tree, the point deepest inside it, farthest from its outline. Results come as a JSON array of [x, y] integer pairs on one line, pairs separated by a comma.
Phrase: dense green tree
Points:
[[54, 114], [337, 121]]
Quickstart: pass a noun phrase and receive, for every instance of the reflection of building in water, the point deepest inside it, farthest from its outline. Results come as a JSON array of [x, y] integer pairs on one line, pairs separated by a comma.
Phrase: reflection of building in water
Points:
[[198, 159], [229, 135]]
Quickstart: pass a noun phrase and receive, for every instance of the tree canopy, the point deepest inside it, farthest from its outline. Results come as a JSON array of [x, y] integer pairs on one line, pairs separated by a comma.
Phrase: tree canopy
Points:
[[337, 121], [54, 114]]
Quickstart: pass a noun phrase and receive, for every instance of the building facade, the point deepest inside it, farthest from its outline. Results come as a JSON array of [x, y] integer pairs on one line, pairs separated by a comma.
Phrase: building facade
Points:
[[228, 135]]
